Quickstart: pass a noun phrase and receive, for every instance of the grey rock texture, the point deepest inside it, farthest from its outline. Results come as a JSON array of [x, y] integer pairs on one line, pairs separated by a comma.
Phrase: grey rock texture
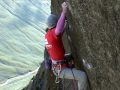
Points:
[[94, 37]]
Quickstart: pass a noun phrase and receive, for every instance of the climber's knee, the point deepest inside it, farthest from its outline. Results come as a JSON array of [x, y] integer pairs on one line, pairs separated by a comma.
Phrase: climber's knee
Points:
[[82, 82], [83, 77]]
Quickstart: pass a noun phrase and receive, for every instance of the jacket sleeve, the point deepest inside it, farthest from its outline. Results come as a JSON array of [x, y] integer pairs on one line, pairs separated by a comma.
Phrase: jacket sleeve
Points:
[[60, 24]]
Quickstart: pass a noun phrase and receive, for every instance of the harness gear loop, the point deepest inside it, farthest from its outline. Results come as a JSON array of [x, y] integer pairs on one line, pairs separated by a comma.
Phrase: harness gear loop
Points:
[[56, 71]]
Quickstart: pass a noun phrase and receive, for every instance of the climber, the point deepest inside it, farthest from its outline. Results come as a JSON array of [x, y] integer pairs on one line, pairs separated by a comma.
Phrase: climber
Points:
[[55, 48]]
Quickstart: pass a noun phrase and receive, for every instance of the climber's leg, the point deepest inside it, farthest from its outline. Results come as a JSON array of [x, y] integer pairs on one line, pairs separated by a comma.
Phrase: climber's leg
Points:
[[80, 76]]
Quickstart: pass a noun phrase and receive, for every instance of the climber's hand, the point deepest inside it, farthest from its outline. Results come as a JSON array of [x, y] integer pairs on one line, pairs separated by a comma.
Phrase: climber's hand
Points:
[[64, 7]]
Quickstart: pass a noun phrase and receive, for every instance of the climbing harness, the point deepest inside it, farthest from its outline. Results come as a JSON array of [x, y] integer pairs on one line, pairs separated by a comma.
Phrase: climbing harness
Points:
[[57, 68]]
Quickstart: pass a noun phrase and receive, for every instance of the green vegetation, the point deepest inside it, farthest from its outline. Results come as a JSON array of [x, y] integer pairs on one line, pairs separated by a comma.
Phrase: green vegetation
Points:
[[16, 85], [22, 25], [19, 56]]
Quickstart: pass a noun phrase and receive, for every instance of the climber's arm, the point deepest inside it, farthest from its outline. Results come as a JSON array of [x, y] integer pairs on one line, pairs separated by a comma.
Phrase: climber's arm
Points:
[[60, 25], [61, 22]]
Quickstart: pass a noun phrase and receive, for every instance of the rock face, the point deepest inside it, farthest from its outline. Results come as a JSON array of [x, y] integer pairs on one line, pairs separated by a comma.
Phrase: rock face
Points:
[[94, 37]]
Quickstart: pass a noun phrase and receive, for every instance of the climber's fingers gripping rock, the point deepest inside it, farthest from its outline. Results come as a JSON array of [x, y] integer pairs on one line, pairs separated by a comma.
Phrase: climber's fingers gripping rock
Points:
[[64, 7]]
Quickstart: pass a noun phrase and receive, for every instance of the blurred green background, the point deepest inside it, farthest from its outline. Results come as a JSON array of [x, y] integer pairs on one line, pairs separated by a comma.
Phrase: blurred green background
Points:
[[22, 25]]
